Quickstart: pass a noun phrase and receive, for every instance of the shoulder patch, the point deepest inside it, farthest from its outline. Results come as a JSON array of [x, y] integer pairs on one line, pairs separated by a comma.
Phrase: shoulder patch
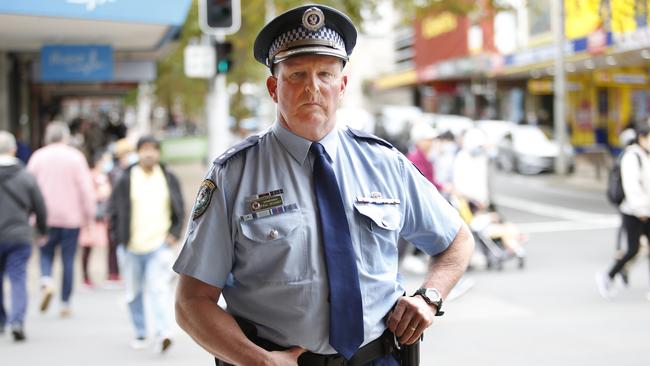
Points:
[[250, 141], [361, 135], [203, 198]]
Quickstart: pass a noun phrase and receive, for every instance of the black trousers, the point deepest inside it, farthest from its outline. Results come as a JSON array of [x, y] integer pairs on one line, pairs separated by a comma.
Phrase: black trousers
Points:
[[634, 228]]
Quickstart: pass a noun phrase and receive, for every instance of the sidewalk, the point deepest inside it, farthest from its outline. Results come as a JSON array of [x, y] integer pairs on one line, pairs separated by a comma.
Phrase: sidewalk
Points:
[[99, 331]]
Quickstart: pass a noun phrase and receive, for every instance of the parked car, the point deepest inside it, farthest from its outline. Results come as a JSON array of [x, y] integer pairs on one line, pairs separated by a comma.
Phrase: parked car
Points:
[[528, 150], [495, 131]]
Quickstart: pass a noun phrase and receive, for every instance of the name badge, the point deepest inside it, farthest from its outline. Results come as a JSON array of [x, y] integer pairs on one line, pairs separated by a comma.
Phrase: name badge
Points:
[[377, 199]]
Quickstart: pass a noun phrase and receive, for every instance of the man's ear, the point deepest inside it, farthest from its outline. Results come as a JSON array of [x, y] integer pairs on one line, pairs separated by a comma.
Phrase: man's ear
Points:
[[344, 83], [272, 87]]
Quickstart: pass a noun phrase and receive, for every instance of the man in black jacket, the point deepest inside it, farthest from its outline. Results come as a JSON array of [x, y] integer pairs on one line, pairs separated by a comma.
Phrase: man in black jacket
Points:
[[20, 197], [146, 215]]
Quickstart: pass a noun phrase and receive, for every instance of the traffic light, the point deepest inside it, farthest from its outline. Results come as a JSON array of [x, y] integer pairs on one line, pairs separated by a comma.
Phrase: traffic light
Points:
[[219, 16], [224, 57], [219, 13]]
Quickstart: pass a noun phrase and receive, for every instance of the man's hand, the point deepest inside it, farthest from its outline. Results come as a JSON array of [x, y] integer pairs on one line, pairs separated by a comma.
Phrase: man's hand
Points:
[[42, 240], [409, 319], [287, 358]]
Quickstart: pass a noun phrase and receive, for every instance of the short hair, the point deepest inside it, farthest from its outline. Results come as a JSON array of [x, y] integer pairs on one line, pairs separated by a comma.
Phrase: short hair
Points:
[[7, 143], [643, 130], [56, 131], [148, 139]]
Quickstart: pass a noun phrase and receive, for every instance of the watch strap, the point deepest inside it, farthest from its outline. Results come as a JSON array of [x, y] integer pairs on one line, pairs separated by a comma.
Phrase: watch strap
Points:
[[438, 304]]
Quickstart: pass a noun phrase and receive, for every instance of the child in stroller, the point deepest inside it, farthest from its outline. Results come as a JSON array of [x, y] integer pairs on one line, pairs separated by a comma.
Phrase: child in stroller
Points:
[[499, 240]]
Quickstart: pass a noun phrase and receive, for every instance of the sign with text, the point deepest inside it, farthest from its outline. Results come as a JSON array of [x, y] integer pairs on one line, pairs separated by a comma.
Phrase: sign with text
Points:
[[76, 63]]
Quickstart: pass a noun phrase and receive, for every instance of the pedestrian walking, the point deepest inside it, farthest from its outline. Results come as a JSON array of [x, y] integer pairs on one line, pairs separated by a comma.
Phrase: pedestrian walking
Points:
[[635, 208], [95, 235], [19, 198], [297, 226], [122, 159], [64, 178], [145, 215]]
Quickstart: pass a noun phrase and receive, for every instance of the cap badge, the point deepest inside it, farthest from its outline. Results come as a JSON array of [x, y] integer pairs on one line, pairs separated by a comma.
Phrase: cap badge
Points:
[[313, 19]]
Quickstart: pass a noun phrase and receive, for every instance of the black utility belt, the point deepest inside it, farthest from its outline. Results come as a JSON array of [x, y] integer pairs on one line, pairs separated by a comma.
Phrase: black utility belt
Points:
[[379, 348]]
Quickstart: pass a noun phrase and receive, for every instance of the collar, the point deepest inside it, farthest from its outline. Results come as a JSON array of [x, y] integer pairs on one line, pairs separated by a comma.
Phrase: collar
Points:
[[298, 146], [7, 160]]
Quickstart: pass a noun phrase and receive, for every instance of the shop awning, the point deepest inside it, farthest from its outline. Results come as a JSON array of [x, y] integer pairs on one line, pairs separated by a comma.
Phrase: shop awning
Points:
[[126, 25]]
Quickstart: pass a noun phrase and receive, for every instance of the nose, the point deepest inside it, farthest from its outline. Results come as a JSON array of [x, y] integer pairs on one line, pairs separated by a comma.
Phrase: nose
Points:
[[311, 84]]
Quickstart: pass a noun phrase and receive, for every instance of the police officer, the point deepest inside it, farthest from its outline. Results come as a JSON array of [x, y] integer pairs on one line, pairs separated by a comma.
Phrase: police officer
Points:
[[298, 226]]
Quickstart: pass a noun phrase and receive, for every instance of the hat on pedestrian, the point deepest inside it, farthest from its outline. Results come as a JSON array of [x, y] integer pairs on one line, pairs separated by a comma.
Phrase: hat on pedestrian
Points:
[[422, 131], [305, 30]]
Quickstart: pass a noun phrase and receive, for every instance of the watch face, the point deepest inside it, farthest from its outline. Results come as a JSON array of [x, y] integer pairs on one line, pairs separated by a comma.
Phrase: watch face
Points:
[[433, 294]]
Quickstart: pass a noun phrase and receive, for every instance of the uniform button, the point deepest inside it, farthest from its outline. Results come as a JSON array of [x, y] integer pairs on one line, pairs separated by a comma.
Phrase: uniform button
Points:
[[274, 234]]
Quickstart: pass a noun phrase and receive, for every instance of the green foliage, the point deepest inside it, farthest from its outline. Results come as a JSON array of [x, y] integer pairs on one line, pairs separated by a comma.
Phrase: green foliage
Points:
[[172, 86]]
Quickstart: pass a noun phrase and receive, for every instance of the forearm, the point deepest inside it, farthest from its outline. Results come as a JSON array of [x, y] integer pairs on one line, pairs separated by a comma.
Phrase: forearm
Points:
[[448, 267], [217, 332]]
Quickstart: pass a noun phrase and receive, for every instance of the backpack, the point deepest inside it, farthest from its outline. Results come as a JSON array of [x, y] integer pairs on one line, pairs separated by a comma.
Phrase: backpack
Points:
[[615, 192]]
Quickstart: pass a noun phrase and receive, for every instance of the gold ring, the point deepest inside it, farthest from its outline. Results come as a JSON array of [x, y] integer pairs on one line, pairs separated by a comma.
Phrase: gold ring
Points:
[[413, 328]]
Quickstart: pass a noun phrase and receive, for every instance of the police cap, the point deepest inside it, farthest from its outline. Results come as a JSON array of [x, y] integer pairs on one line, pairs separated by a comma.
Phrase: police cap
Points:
[[308, 29]]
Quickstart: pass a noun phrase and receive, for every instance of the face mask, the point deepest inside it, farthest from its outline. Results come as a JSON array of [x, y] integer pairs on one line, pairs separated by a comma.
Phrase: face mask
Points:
[[476, 152], [133, 158], [108, 166]]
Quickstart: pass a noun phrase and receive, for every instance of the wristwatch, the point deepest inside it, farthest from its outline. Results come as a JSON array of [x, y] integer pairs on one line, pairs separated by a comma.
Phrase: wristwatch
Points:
[[433, 297]]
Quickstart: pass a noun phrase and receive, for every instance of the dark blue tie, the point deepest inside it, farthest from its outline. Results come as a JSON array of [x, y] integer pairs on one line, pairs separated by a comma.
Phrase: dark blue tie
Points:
[[346, 309]]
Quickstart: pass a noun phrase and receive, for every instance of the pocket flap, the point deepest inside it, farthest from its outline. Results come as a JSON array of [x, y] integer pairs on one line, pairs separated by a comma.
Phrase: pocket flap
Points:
[[271, 228], [385, 216]]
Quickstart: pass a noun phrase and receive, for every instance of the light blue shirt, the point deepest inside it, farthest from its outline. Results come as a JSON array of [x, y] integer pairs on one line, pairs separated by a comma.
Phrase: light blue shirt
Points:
[[272, 268]]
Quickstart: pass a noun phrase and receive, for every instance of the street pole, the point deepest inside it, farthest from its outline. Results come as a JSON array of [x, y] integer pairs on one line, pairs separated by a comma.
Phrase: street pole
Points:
[[559, 109], [218, 112]]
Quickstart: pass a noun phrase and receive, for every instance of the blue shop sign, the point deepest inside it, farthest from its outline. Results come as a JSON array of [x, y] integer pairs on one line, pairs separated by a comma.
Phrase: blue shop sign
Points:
[[167, 12], [76, 63]]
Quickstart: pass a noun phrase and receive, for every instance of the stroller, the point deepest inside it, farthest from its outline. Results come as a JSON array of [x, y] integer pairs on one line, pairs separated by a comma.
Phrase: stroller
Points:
[[498, 240]]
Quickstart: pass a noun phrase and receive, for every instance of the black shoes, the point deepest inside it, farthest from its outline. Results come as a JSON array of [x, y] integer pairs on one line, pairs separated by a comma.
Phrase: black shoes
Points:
[[18, 333]]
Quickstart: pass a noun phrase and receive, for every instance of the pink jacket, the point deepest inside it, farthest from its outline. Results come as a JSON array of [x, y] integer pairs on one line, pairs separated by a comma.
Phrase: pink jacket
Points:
[[66, 183], [419, 159]]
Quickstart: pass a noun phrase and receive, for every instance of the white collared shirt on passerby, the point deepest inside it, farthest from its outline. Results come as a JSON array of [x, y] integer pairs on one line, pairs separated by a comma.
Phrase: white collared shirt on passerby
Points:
[[636, 182]]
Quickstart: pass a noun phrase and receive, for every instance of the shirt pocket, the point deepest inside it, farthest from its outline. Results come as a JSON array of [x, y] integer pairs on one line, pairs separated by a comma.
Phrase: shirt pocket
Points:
[[378, 232], [273, 249]]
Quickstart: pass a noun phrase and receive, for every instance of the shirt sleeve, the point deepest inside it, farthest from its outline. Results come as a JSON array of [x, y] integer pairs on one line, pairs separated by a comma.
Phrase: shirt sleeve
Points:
[[207, 252], [430, 222]]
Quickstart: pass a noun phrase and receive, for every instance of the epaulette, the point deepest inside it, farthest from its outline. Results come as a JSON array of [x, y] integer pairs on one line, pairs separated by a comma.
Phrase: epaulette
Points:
[[247, 143], [361, 135]]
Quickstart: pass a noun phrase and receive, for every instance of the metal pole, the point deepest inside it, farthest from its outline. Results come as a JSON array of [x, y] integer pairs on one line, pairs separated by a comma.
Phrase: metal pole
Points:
[[559, 109], [218, 113]]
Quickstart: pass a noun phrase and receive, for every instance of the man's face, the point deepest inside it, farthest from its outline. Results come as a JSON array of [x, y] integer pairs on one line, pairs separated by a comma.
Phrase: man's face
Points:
[[307, 90], [149, 155]]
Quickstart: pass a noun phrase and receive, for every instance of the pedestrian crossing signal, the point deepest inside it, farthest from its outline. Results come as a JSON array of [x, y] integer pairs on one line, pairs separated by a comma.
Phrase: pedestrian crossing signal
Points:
[[224, 57]]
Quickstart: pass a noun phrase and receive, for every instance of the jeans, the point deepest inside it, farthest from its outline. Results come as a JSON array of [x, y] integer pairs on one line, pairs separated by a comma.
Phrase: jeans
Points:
[[148, 274], [67, 238], [13, 261]]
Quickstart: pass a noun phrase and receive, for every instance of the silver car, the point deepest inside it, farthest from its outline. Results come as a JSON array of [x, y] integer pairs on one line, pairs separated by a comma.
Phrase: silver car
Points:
[[527, 150]]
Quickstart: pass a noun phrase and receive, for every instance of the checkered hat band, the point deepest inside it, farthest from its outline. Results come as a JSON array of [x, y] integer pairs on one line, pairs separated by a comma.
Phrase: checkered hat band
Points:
[[302, 36]]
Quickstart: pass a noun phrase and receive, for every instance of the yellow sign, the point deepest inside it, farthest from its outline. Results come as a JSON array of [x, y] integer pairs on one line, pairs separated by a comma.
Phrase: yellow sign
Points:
[[582, 17], [545, 86], [433, 26], [396, 80]]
